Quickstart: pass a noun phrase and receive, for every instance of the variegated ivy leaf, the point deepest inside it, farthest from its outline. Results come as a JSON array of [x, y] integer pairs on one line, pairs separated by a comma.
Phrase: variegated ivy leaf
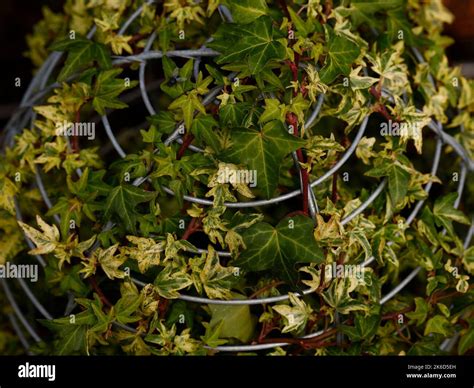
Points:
[[329, 233], [364, 11], [360, 82], [315, 281], [64, 252], [237, 224], [210, 276], [357, 235], [233, 175], [45, 240], [12, 239], [119, 44], [462, 284], [391, 68], [295, 316], [171, 343], [184, 13], [110, 262], [364, 149], [8, 190], [147, 252], [314, 86], [174, 247], [171, 280], [338, 295]]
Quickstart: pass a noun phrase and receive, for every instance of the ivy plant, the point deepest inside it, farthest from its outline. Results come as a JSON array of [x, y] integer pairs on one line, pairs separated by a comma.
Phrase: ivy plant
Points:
[[207, 194]]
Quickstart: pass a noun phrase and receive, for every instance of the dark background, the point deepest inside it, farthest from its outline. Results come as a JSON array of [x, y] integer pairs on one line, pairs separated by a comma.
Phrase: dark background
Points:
[[17, 18]]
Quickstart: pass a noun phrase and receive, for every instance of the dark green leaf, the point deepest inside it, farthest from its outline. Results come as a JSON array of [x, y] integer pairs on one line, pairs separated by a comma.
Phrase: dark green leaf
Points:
[[280, 248], [123, 200]]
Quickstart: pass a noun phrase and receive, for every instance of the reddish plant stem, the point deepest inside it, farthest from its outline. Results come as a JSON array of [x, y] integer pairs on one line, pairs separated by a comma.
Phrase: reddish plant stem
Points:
[[99, 292], [266, 288], [292, 120], [294, 73], [187, 140], [267, 328], [380, 107], [163, 305], [395, 314], [137, 37], [328, 7], [400, 333], [295, 213], [193, 227]]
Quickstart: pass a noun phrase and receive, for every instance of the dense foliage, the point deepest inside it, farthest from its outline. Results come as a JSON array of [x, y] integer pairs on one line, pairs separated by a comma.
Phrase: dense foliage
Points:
[[269, 69]]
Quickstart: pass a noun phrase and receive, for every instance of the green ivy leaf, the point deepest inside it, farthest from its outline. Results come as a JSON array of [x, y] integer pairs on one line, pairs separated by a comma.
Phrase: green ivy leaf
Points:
[[439, 325], [398, 179], [246, 11], [81, 52], [421, 311], [364, 327], [203, 129], [302, 27], [263, 151], [164, 121], [253, 43], [234, 321], [342, 52], [280, 248], [363, 11], [234, 115], [122, 201], [106, 90], [71, 338], [467, 339], [444, 212]]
